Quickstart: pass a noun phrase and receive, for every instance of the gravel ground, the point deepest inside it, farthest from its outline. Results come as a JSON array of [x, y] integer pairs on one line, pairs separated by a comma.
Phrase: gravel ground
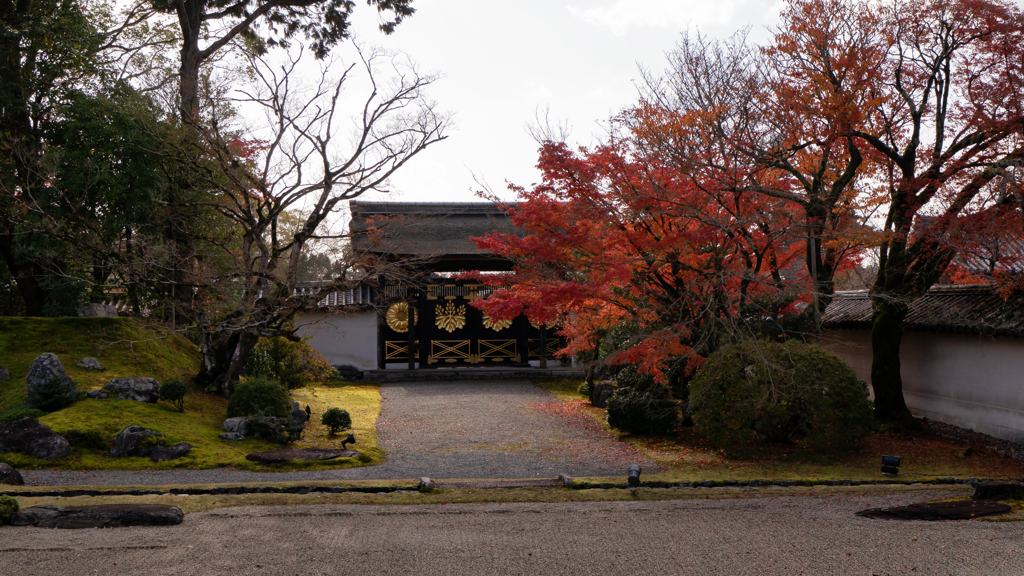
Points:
[[468, 429], [783, 536]]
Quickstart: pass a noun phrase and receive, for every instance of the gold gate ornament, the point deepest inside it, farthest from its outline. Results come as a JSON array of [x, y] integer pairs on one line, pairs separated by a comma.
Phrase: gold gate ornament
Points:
[[398, 317], [496, 325], [449, 317]]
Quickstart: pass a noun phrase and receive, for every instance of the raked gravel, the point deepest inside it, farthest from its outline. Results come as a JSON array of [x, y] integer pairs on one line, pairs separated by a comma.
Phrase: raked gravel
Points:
[[461, 429]]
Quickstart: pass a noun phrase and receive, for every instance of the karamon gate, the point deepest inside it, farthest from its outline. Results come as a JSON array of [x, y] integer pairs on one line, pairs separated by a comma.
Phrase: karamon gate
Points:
[[432, 324]]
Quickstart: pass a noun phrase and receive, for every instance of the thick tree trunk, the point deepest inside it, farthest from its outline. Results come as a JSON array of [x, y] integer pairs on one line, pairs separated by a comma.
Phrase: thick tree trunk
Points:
[[224, 355], [886, 336]]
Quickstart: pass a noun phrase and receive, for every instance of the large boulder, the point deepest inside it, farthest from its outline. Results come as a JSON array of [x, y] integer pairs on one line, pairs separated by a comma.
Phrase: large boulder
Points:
[[97, 310], [300, 416], [8, 475], [129, 442], [237, 425], [5, 374], [138, 389], [44, 368], [170, 452], [30, 437], [89, 364], [99, 516]]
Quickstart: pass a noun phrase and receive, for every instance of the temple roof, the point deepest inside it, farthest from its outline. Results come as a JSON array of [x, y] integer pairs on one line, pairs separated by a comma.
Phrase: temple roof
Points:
[[435, 231], [962, 309]]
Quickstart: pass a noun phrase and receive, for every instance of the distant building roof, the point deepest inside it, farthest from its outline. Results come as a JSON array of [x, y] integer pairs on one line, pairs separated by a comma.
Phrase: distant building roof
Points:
[[960, 309], [435, 231]]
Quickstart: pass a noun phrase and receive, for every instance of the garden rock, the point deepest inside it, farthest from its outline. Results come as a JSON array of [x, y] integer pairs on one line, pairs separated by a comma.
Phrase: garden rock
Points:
[[998, 491], [5, 374], [126, 443], [295, 405], [600, 393], [8, 475], [30, 437], [170, 452], [89, 364], [285, 454], [137, 389], [237, 425], [299, 415], [100, 516], [97, 394], [44, 368], [232, 436], [97, 310]]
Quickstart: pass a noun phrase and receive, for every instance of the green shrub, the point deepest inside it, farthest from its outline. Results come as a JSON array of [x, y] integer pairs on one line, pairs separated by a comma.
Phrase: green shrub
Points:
[[174, 391], [779, 392], [260, 394], [272, 429], [18, 412], [642, 412], [336, 419], [294, 364], [8, 506], [86, 440], [584, 389], [54, 394]]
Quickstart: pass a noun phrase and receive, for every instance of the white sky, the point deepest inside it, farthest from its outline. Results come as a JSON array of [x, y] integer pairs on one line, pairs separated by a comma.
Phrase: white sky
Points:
[[504, 61]]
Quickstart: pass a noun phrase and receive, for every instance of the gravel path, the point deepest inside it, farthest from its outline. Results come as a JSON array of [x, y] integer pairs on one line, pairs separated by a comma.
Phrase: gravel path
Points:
[[784, 536], [468, 429]]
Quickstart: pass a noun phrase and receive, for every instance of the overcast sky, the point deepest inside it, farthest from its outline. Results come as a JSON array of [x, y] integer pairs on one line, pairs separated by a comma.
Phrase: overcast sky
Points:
[[504, 61]]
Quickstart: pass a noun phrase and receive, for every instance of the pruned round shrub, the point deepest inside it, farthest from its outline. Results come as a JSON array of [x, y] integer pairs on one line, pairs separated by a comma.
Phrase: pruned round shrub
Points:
[[336, 420], [8, 507], [18, 412], [641, 412], [174, 391], [260, 394], [779, 392], [55, 394], [274, 429]]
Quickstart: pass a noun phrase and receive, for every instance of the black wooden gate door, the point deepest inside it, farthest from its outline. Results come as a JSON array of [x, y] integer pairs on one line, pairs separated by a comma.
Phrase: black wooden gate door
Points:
[[450, 332]]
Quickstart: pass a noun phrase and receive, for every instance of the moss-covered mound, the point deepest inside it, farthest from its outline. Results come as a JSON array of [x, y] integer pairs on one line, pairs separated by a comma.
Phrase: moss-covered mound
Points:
[[123, 346], [127, 348]]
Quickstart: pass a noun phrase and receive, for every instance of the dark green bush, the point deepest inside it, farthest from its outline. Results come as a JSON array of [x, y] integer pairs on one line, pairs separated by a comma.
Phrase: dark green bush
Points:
[[86, 440], [260, 394], [336, 420], [174, 391], [54, 394], [779, 392], [8, 506], [18, 412], [642, 412], [272, 429], [294, 363]]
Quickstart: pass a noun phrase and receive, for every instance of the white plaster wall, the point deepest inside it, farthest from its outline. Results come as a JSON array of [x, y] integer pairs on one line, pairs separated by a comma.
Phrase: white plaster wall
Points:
[[344, 338], [971, 381]]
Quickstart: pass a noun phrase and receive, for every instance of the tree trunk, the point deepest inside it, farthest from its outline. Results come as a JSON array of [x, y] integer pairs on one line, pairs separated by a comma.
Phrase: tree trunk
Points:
[[886, 336], [190, 21], [223, 358]]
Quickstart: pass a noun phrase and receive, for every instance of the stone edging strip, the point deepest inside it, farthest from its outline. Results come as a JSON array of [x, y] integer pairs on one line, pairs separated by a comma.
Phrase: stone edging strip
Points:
[[562, 480]]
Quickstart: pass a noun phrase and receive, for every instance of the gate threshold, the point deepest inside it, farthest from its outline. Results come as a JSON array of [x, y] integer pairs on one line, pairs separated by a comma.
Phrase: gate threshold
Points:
[[469, 373]]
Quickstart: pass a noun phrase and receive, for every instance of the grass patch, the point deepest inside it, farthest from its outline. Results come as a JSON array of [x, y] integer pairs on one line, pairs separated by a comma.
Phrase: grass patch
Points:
[[688, 457], [129, 348], [200, 426], [190, 504], [124, 346]]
